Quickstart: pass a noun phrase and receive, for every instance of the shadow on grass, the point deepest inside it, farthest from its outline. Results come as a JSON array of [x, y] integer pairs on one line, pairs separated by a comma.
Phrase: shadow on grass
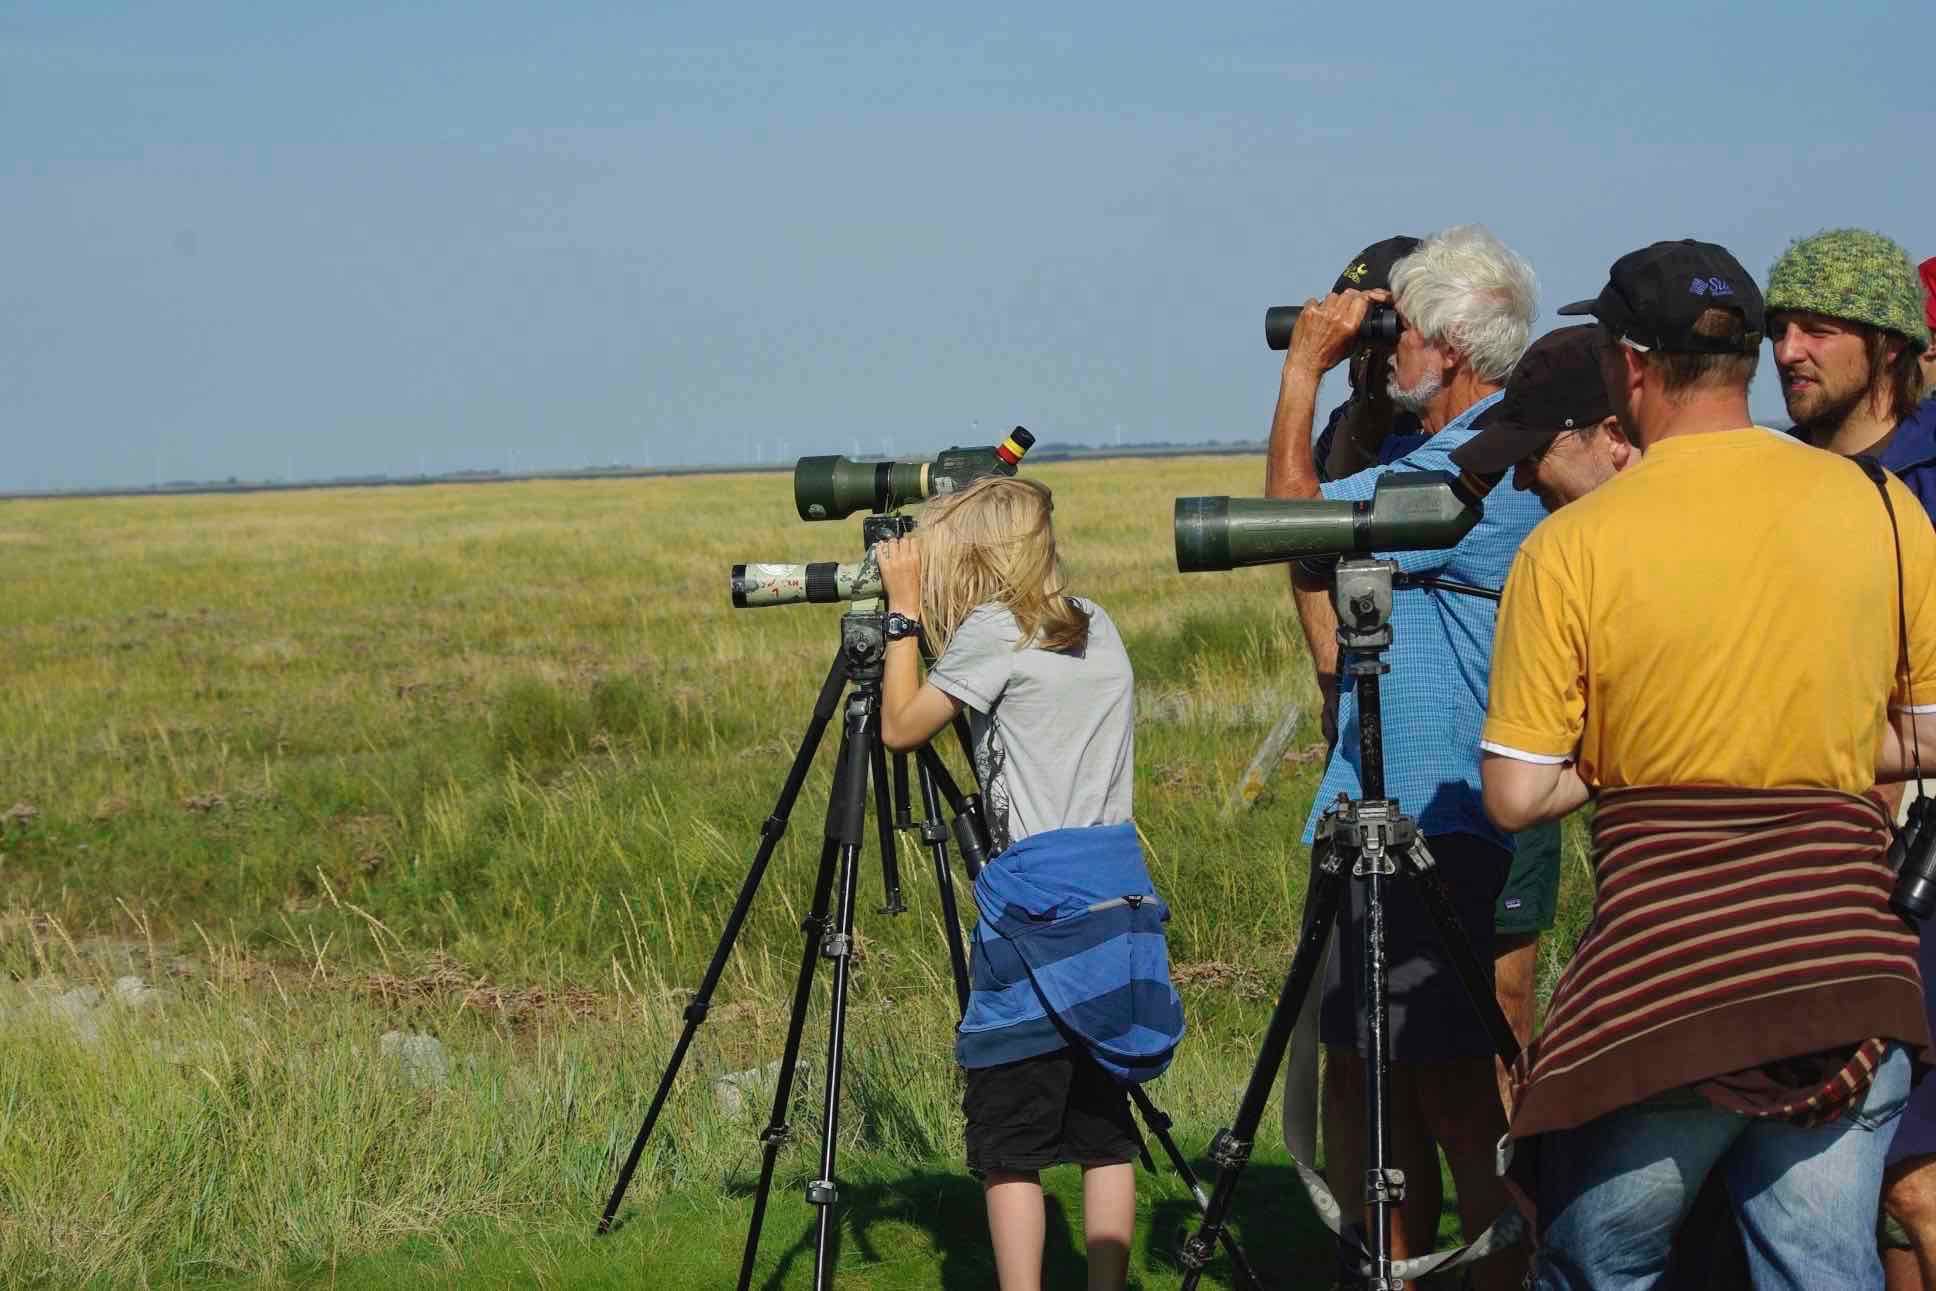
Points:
[[896, 1229], [1283, 1239]]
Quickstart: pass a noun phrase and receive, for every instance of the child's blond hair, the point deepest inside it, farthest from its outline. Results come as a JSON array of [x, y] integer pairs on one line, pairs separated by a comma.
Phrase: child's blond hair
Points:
[[993, 541]]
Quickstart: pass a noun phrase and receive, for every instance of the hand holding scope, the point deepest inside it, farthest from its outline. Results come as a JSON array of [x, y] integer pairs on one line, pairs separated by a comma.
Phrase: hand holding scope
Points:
[[827, 488]]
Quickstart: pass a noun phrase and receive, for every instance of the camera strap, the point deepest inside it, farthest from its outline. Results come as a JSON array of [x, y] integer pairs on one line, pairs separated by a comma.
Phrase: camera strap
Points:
[[1880, 478]]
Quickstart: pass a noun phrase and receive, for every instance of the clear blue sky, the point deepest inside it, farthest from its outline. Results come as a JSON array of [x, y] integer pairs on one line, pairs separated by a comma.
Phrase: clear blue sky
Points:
[[255, 239]]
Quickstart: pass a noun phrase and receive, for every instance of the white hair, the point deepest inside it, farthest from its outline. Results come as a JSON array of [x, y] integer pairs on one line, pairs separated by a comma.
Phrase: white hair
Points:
[[1466, 289]]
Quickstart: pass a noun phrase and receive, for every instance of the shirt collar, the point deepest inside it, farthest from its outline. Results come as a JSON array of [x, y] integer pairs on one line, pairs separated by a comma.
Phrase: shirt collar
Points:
[[1459, 429], [1914, 441]]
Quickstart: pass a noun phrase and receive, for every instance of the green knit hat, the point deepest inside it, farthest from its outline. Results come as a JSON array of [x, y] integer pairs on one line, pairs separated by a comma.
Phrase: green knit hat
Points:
[[1851, 274]]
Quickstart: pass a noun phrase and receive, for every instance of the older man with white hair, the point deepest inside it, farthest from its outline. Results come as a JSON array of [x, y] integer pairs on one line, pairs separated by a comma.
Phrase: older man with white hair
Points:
[[1465, 305]]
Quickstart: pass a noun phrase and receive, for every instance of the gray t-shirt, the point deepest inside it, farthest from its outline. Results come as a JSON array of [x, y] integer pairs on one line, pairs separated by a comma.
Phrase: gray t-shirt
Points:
[[1054, 734]]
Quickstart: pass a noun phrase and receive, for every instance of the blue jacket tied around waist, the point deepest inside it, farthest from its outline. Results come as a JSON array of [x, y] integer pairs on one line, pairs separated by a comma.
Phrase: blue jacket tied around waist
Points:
[[1070, 949]]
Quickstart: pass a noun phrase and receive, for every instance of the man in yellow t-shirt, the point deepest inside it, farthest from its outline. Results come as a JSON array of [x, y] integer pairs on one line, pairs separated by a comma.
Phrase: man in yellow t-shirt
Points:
[[1710, 643]]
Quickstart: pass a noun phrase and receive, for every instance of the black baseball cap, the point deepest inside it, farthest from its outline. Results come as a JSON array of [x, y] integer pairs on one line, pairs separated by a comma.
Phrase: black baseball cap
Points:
[[1371, 268], [1654, 296], [1556, 386]]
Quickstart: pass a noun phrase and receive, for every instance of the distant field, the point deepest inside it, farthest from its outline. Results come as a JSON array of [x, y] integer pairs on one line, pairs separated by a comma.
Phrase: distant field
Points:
[[488, 765]]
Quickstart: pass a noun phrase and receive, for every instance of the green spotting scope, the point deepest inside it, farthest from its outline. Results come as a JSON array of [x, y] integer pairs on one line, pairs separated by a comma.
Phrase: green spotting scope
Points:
[[1408, 511], [830, 488], [819, 582]]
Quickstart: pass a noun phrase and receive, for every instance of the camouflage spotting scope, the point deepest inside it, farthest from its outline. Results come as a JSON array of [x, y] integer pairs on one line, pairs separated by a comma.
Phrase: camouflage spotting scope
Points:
[[819, 582], [827, 488], [1408, 511]]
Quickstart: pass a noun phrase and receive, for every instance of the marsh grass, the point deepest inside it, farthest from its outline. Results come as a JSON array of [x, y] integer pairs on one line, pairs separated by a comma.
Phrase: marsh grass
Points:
[[488, 763]]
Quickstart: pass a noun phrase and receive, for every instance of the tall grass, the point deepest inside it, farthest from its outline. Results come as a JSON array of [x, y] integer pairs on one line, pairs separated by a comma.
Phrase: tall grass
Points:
[[490, 763]]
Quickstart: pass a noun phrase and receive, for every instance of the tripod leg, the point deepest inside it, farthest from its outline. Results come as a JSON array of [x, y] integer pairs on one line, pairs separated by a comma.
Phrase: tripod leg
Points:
[[936, 838], [884, 820], [862, 732], [970, 829], [903, 816], [1159, 1124], [771, 832], [816, 926], [1472, 974], [1230, 1149], [963, 738], [1384, 1187]]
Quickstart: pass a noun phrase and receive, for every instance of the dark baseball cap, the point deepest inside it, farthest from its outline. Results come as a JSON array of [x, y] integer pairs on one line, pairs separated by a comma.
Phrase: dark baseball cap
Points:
[[1371, 268], [1556, 386], [1654, 296]]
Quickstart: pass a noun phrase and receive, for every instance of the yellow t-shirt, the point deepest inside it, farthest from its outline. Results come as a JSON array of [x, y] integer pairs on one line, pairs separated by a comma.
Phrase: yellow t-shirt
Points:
[[1723, 612]]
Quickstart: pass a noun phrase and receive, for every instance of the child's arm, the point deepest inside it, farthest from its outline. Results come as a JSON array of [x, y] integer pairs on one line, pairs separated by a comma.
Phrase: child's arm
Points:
[[911, 711]]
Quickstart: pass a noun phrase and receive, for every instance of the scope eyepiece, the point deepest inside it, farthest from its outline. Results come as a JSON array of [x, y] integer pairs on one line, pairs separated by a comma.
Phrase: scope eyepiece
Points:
[[832, 487], [1381, 324]]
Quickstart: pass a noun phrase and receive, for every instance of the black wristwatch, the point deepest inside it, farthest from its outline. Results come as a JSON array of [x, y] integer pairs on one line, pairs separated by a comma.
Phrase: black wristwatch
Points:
[[899, 625]]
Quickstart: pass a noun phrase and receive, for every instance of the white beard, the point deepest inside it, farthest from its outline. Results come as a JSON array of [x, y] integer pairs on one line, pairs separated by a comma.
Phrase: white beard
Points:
[[1416, 399]]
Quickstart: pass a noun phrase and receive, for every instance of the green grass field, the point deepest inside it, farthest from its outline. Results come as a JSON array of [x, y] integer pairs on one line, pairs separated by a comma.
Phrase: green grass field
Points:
[[487, 764]]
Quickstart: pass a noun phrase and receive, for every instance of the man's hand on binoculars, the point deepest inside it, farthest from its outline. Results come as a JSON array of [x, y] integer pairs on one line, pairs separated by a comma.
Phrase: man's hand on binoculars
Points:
[[1327, 330]]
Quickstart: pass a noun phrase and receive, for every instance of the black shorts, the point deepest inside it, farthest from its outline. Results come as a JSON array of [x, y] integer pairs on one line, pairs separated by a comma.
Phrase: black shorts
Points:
[[1431, 1017], [1053, 1109], [1531, 898]]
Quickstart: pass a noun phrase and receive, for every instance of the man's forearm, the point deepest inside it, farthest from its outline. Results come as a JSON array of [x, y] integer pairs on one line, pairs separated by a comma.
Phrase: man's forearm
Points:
[[1289, 469], [1319, 618]]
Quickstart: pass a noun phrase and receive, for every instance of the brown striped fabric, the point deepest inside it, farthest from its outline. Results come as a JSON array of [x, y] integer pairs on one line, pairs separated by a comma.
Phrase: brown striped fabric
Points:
[[1806, 1091], [1731, 928]]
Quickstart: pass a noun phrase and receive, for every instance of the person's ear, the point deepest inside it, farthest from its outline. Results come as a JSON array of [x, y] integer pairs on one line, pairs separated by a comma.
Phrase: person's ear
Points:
[[1620, 452], [1621, 373]]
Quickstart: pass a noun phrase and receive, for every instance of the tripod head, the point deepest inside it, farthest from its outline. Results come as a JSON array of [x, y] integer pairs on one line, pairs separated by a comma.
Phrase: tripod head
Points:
[[863, 628], [1361, 592]]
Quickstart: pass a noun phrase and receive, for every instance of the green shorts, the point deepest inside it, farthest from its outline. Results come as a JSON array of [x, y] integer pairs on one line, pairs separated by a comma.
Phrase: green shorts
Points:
[[1531, 896]]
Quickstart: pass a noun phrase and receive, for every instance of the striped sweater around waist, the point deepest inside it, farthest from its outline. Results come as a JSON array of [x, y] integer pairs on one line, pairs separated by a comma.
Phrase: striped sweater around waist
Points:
[[1731, 927], [1069, 949]]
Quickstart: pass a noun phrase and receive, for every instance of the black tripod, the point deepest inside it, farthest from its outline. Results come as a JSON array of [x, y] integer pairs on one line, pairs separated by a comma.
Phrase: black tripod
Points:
[[830, 929], [1369, 840]]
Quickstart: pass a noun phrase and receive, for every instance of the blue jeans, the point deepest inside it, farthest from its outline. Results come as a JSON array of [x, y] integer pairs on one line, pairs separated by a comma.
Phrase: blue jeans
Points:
[[1612, 1192]]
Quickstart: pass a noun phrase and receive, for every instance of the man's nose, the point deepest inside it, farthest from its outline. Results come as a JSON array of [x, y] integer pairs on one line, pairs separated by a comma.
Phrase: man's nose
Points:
[[1788, 345]]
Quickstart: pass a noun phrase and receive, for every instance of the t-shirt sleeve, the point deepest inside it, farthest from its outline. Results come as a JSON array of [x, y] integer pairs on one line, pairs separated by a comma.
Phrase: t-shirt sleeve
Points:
[[979, 660], [1919, 605], [1536, 703]]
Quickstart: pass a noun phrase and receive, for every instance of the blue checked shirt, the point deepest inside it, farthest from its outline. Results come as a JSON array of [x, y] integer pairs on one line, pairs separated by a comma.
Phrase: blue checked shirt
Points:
[[1434, 698]]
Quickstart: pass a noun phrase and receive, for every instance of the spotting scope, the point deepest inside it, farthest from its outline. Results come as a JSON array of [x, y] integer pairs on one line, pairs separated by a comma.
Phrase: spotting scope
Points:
[[1408, 511], [828, 488], [819, 582], [1381, 324]]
